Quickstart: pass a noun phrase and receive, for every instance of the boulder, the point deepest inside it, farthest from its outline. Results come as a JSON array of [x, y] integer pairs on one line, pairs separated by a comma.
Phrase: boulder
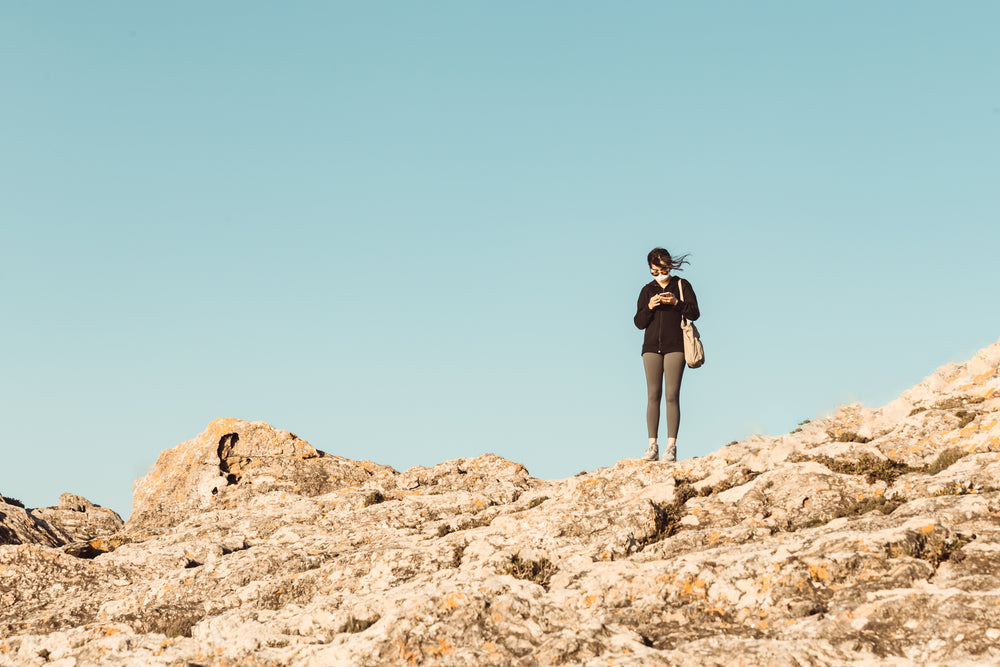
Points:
[[19, 526], [80, 519], [233, 461]]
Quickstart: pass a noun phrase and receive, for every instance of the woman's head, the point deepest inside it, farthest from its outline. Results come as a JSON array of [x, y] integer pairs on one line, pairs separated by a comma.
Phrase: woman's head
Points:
[[661, 263]]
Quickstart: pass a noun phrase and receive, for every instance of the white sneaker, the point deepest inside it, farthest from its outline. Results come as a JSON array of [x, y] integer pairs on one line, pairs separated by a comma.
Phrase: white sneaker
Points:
[[670, 454], [652, 453]]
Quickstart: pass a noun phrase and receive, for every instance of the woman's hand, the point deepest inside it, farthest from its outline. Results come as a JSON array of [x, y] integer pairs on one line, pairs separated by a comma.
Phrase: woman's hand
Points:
[[663, 298]]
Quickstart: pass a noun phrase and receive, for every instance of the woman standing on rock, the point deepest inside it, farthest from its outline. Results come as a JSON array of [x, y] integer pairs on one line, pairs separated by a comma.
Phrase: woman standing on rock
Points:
[[659, 312]]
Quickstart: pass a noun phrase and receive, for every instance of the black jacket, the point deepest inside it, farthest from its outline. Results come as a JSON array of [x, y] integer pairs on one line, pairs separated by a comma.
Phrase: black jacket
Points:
[[663, 323]]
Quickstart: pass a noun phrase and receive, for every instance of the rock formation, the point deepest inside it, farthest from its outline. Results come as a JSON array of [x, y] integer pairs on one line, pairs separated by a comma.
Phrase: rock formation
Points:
[[74, 519], [231, 463], [19, 526], [78, 518], [867, 537]]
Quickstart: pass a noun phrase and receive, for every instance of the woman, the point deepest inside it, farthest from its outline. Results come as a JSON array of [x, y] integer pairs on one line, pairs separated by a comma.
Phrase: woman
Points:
[[659, 312]]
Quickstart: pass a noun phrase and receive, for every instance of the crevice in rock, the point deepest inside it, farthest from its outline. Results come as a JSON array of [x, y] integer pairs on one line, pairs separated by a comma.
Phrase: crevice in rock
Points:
[[7, 536], [356, 625], [83, 549], [666, 520], [226, 445], [233, 547]]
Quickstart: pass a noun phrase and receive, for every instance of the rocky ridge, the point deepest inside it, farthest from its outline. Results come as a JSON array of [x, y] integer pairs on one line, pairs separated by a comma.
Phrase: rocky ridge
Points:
[[73, 521], [867, 537]]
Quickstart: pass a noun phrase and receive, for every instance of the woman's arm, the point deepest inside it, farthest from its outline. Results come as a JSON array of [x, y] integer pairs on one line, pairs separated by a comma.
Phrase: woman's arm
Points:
[[643, 313], [689, 307]]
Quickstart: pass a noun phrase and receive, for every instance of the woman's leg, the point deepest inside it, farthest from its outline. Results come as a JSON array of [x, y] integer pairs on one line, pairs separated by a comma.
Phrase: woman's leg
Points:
[[652, 363], [673, 373]]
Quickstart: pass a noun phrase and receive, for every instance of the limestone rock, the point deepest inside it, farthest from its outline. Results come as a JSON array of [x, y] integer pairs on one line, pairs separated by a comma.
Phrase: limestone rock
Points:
[[232, 461], [80, 519], [19, 526], [869, 537]]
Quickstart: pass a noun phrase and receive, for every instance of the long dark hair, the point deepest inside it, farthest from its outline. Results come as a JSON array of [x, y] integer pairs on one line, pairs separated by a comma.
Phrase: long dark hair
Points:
[[660, 257]]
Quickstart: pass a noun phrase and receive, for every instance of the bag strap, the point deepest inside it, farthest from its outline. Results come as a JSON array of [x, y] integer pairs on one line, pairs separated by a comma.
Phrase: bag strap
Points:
[[680, 286]]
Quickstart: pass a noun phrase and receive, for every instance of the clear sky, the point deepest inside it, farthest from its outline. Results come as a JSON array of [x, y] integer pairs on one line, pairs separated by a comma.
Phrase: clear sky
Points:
[[410, 232]]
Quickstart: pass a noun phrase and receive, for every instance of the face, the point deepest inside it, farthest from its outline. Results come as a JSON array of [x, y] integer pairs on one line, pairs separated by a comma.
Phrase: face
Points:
[[661, 273]]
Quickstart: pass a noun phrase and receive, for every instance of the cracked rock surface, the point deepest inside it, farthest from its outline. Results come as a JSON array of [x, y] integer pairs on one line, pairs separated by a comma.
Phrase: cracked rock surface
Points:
[[868, 537]]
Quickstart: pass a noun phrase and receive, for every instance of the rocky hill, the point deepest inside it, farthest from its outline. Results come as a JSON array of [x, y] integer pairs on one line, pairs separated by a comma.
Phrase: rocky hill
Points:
[[869, 537]]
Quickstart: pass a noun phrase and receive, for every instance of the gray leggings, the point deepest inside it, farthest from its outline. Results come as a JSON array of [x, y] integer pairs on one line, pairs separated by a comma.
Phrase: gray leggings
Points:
[[669, 369]]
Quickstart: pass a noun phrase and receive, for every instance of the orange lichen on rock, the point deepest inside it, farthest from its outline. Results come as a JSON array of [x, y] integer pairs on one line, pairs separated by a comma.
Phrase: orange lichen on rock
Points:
[[694, 587], [819, 572], [982, 377], [443, 647], [452, 601]]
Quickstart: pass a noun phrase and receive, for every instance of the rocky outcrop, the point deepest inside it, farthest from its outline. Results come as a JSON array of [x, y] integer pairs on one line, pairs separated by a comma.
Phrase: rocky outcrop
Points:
[[79, 519], [18, 526], [229, 464], [75, 519], [867, 537]]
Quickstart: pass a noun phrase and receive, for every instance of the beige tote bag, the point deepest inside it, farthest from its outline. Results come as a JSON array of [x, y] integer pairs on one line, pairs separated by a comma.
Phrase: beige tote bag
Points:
[[694, 351]]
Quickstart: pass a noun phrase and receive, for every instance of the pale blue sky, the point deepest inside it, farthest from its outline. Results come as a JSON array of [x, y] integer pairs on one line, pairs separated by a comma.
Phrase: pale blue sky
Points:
[[410, 232]]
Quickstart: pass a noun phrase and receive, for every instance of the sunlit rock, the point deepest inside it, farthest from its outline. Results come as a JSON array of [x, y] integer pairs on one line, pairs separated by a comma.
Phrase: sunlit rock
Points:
[[867, 537]]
